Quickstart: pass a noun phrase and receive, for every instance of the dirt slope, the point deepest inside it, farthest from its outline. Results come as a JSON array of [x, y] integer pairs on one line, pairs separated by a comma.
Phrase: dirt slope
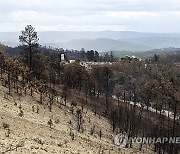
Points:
[[30, 134]]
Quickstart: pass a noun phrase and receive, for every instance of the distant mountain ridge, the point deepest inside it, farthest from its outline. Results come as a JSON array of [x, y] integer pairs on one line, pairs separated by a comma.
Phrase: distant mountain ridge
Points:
[[100, 40], [104, 44]]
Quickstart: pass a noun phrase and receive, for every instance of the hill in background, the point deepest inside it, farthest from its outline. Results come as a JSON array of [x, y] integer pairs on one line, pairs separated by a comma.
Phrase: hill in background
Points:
[[100, 40]]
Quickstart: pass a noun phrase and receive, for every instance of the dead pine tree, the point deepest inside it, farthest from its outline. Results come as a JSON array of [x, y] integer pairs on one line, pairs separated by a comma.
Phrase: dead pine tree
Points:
[[7, 129], [114, 118], [73, 105], [71, 134], [100, 134], [21, 113], [79, 119], [65, 94], [92, 130], [37, 111], [51, 101], [50, 123], [33, 108]]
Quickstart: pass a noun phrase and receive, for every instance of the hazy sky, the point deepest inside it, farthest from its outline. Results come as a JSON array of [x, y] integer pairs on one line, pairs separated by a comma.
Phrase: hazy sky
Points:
[[78, 15]]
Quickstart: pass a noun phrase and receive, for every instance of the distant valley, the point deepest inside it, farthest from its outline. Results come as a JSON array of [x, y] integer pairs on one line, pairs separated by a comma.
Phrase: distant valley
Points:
[[100, 40]]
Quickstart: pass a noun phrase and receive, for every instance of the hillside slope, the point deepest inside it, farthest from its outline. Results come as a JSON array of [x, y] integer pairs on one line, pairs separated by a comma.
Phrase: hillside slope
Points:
[[31, 134]]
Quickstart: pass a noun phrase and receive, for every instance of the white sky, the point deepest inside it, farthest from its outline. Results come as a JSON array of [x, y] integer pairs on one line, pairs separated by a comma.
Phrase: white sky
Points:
[[91, 15]]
